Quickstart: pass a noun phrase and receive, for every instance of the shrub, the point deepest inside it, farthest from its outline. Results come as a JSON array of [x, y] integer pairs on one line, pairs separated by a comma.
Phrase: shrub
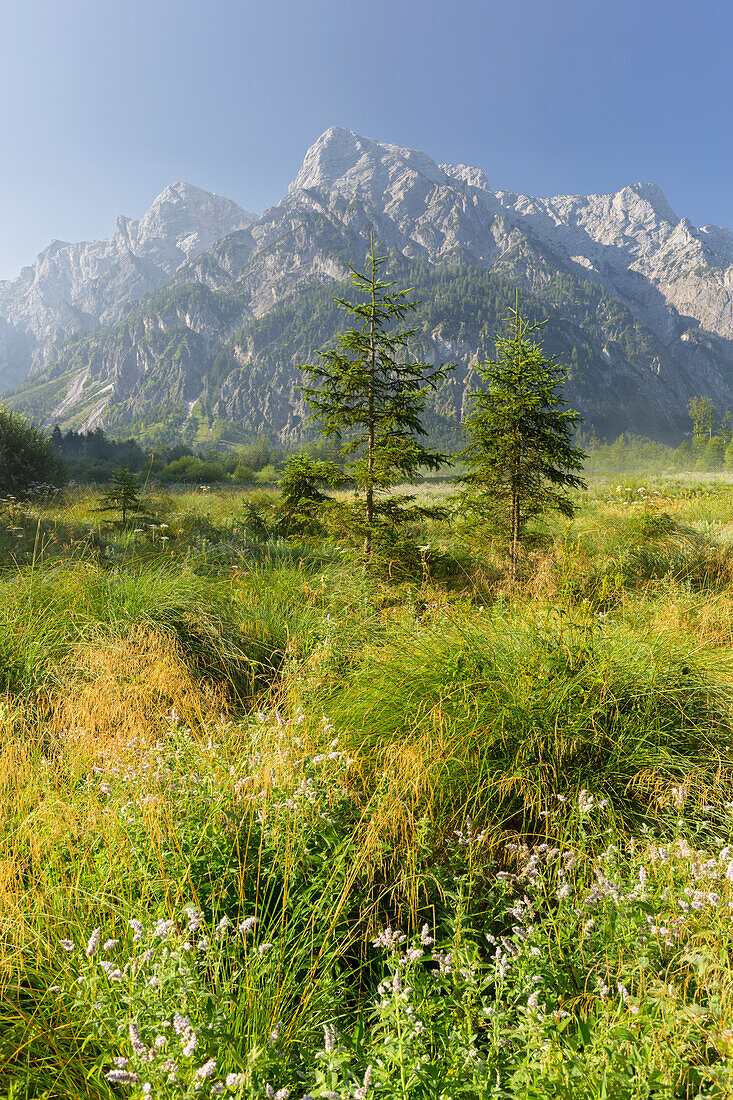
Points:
[[192, 469], [27, 461]]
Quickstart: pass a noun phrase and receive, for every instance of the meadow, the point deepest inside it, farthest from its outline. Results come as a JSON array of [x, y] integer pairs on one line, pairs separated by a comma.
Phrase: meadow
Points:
[[277, 824]]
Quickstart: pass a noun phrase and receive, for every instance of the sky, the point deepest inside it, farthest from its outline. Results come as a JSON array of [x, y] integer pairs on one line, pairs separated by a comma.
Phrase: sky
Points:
[[105, 102]]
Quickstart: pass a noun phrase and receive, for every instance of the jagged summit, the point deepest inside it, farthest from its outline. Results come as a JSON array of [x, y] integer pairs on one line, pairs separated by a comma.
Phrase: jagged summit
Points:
[[75, 286], [637, 281], [466, 173], [192, 218], [341, 158], [650, 194]]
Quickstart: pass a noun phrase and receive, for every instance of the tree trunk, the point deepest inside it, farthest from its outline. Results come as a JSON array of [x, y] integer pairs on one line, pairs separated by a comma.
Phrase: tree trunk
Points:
[[516, 462], [371, 440], [514, 548]]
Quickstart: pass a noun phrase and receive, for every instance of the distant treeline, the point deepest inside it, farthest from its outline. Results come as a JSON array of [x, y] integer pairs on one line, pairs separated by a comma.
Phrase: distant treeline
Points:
[[633, 454], [91, 457]]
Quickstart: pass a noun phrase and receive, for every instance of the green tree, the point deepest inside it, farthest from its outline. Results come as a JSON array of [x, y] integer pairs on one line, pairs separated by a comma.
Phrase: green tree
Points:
[[27, 460], [520, 456], [704, 416], [190, 468], [301, 491], [367, 395], [123, 494]]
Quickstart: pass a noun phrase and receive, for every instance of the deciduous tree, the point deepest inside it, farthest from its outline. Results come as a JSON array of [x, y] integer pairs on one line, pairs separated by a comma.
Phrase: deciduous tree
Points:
[[27, 460]]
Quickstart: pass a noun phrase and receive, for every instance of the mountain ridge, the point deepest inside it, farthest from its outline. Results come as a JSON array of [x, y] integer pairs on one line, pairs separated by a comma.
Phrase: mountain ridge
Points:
[[75, 286], [673, 284]]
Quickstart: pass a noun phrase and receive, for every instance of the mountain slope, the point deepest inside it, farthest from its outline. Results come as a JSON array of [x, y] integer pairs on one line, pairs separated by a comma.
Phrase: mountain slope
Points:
[[76, 287], [638, 301]]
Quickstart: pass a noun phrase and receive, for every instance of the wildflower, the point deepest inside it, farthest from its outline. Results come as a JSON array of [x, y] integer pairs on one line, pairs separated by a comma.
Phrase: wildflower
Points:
[[586, 802], [68, 945], [397, 982], [329, 1038], [425, 938], [361, 1092], [137, 928], [122, 1077], [282, 1094], [445, 962], [121, 1062], [163, 929], [93, 943], [203, 943], [234, 1080], [389, 939], [181, 1024], [116, 975], [136, 1042], [190, 1045], [679, 794], [533, 1001], [413, 954], [247, 925], [264, 947], [109, 944], [147, 1089], [160, 1041], [206, 1070], [565, 891], [221, 928], [195, 918]]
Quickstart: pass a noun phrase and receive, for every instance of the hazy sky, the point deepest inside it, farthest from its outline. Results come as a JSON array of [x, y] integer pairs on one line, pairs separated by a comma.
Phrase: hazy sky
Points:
[[104, 102]]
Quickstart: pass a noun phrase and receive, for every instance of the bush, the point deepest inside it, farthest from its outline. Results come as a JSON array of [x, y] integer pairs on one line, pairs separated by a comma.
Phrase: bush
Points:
[[192, 469], [243, 474], [27, 461]]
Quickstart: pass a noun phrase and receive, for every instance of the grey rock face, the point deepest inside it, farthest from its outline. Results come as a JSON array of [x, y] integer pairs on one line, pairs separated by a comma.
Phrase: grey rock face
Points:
[[75, 287], [673, 280], [441, 212]]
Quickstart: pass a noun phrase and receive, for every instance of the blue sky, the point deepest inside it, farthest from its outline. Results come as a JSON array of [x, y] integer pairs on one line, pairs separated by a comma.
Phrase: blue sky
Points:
[[103, 103]]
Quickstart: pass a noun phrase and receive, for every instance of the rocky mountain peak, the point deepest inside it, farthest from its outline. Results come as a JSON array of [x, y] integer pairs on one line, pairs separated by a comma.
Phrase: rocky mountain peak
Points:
[[654, 196], [466, 173], [72, 287], [190, 218], [343, 161]]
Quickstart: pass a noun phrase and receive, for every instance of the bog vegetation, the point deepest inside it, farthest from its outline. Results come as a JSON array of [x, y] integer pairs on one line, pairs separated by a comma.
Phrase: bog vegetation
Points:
[[286, 816]]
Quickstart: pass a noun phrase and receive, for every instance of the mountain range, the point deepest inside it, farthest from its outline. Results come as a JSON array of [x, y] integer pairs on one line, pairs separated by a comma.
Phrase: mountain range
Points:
[[191, 322]]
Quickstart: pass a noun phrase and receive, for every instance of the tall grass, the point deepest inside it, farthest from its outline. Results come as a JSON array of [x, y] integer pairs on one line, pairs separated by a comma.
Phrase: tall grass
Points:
[[351, 769]]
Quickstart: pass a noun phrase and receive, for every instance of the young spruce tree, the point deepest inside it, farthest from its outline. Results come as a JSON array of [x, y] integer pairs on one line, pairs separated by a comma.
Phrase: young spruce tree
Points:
[[123, 494], [520, 457], [368, 396]]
